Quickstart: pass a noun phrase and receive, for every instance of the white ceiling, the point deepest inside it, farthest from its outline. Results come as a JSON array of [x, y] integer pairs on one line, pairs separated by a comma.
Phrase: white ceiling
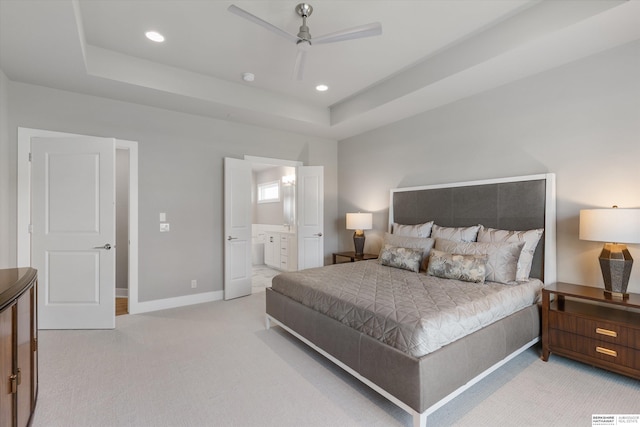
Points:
[[430, 53]]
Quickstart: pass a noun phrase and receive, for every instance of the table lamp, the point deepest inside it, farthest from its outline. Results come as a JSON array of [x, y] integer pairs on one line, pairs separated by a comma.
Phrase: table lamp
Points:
[[615, 227], [359, 222]]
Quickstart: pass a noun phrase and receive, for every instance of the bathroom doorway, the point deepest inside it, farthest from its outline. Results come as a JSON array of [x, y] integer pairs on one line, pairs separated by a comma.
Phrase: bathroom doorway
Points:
[[294, 244], [273, 231]]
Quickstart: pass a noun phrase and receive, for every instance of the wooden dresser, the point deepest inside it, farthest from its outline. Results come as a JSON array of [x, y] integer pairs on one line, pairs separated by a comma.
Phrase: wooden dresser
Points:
[[18, 346], [591, 328]]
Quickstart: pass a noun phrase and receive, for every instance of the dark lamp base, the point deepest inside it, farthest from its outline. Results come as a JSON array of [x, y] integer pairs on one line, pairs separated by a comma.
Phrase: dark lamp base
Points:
[[615, 263], [358, 242]]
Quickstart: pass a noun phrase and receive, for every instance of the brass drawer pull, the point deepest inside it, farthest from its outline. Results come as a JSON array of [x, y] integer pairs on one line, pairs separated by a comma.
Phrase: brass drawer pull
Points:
[[607, 351], [606, 332]]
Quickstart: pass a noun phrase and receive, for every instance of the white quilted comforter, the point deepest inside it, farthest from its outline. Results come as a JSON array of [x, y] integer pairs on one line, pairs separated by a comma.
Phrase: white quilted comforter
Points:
[[412, 312]]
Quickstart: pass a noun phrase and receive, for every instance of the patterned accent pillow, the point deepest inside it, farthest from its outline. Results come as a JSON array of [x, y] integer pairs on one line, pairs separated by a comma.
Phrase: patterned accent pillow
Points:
[[457, 234], [502, 257], [529, 237], [468, 268], [423, 243], [405, 258], [417, 230]]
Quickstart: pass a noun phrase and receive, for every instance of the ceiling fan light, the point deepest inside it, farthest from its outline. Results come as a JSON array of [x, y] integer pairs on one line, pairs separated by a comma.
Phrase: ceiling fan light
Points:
[[322, 88], [154, 36]]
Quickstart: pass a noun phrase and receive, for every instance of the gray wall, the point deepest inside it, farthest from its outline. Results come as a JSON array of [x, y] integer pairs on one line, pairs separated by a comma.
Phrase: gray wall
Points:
[[180, 173], [581, 121]]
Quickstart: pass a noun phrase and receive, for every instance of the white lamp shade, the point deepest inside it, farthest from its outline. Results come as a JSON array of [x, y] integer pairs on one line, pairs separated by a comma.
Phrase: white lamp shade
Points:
[[359, 221], [610, 225]]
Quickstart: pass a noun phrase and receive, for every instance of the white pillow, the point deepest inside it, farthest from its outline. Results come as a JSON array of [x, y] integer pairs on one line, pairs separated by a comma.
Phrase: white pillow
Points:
[[423, 243], [457, 234], [529, 237], [417, 230], [502, 257]]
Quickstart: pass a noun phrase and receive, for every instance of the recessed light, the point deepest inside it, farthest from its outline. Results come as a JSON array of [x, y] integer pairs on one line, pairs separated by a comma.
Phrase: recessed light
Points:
[[248, 77], [154, 36], [322, 88]]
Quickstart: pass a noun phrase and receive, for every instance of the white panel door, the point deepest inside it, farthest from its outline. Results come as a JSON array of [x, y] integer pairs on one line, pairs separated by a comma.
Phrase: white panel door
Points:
[[310, 203], [73, 220], [237, 228]]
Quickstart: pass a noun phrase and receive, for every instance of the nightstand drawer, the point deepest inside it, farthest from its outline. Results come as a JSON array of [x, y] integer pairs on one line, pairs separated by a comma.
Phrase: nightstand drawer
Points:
[[596, 349], [591, 328], [604, 331], [584, 324]]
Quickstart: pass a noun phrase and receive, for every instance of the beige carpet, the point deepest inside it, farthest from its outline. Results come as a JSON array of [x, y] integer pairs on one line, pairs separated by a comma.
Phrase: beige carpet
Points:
[[214, 364]]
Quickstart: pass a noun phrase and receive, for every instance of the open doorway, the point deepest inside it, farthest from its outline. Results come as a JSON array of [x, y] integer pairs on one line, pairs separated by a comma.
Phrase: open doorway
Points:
[[122, 231], [307, 231], [273, 224]]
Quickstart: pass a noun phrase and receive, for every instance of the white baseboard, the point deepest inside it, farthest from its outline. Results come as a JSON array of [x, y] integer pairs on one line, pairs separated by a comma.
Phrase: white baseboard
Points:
[[122, 293], [163, 304]]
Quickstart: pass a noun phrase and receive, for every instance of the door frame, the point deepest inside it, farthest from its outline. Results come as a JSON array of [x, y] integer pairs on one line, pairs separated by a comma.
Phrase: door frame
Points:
[[24, 203]]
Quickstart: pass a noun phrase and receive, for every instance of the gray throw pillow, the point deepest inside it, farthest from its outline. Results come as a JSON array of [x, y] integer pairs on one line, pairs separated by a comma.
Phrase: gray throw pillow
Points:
[[405, 258], [468, 268], [423, 243], [502, 257]]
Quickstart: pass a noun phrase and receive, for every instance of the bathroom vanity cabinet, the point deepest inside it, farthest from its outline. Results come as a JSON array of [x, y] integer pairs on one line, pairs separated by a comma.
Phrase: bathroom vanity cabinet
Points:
[[281, 251]]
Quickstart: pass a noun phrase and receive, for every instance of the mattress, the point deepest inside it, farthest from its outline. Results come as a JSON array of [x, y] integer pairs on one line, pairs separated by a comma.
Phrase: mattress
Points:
[[412, 312]]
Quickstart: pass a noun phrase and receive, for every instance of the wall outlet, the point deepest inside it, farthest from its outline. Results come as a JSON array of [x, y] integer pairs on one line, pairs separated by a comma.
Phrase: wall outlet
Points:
[[194, 284]]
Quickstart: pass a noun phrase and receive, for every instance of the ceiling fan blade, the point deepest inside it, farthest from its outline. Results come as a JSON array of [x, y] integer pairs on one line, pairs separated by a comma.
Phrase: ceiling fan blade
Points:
[[298, 68], [250, 17], [367, 30]]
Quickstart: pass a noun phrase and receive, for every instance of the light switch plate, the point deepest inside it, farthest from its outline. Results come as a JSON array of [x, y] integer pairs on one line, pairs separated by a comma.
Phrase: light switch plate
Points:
[[164, 227], [163, 216]]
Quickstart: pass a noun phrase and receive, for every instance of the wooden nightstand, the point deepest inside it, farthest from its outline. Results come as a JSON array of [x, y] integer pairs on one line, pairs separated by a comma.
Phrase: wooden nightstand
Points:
[[606, 335], [353, 257]]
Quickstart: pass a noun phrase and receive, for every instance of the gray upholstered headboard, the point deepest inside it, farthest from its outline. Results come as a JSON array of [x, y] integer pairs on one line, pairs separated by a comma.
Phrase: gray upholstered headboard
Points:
[[518, 203]]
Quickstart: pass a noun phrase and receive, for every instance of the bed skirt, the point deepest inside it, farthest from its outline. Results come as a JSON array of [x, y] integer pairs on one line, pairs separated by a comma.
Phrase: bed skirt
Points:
[[421, 382]]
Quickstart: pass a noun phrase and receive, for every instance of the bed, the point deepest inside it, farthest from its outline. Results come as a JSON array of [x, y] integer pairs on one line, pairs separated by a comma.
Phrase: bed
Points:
[[386, 325]]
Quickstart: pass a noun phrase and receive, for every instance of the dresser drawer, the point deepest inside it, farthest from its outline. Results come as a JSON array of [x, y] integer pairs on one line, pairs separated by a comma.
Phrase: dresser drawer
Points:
[[593, 328], [596, 349], [634, 339]]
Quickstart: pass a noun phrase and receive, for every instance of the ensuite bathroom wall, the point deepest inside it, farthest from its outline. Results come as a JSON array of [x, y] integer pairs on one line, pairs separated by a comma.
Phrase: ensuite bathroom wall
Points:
[[274, 239]]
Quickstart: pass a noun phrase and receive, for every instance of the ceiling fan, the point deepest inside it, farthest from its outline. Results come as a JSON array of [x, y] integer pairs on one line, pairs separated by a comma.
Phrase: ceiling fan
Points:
[[303, 39]]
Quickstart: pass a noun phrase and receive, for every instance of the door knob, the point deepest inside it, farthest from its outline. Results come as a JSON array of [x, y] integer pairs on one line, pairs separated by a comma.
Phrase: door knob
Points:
[[106, 246], [232, 238], [318, 234]]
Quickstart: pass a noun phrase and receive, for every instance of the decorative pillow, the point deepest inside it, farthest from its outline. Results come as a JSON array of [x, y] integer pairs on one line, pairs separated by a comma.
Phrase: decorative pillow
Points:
[[502, 257], [529, 237], [469, 268], [405, 258], [457, 234], [418, 230], [423, 243]]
